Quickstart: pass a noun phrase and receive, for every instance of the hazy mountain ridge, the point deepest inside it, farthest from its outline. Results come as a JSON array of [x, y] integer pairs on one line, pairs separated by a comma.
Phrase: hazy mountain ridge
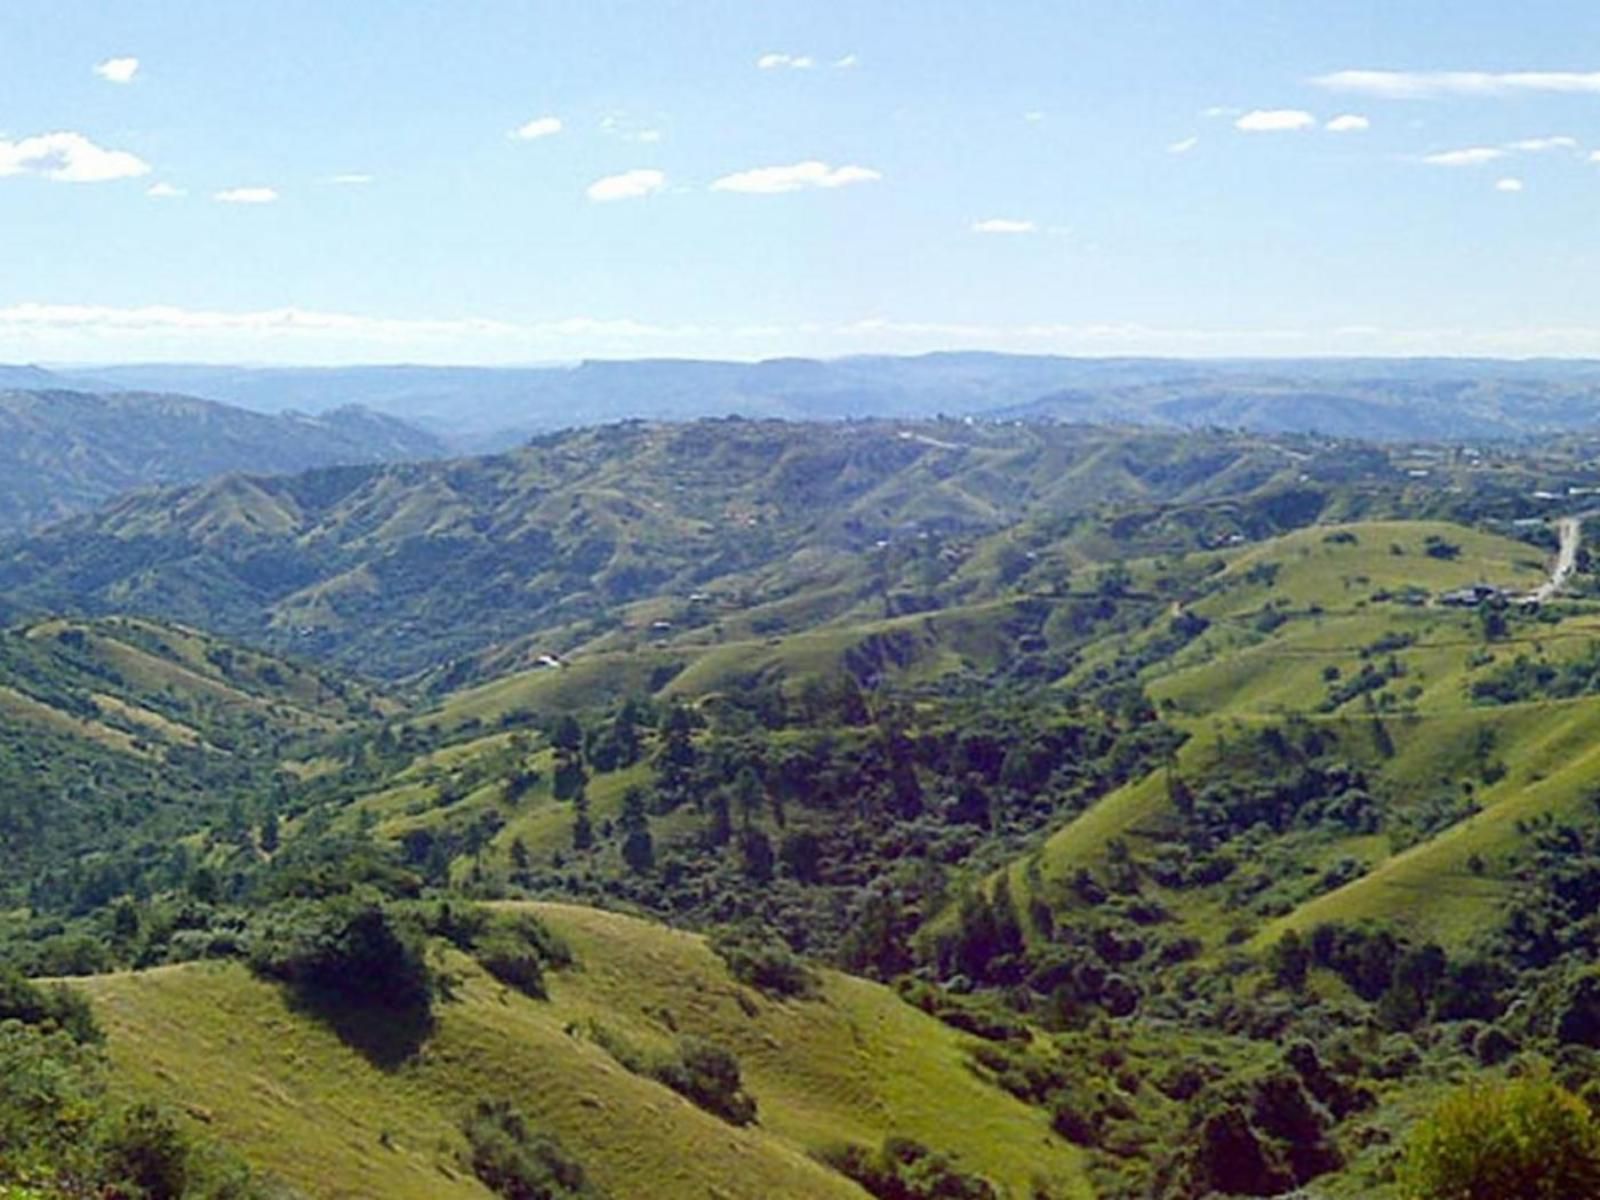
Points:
[[489, 407], [63, 452]]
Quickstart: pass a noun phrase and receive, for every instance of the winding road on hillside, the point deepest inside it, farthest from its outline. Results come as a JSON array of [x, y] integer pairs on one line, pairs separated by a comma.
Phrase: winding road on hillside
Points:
[[1571, 533]]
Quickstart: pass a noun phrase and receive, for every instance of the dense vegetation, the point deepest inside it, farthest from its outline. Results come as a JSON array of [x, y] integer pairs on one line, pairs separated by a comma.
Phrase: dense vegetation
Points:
[[1111, 752]]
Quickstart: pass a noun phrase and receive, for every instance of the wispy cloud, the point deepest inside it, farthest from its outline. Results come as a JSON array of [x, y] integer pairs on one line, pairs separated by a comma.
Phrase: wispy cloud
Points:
[[1508, 184], [246, 195], [629, 185], [620, 125], [68, 158], [845, 61], [1183, 147], [106, 332], [812, 174], [1275, 120], [539, 127], [1472, 156], [793, 62], [1419, 85], [118, 70], [1004, 225], [164, 191], [1538, 144], [351, 179], [1220, 110], [1348, 123]]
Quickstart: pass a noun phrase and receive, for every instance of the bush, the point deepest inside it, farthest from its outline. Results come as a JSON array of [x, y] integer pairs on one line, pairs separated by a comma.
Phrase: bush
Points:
[[702, 1072], [59, 1007], [146, 1152], [514, 1161], [346, 950], [517, 949], [1528, 1139], [906, 1170], [760, 959], [708, 1074]]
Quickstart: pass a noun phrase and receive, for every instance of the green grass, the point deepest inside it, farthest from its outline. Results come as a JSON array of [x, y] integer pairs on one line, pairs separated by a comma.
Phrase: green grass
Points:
[[856, 1064]]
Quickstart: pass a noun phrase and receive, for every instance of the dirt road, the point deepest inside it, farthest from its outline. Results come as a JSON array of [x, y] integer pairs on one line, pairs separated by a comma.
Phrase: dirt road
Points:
[[1571, 532]]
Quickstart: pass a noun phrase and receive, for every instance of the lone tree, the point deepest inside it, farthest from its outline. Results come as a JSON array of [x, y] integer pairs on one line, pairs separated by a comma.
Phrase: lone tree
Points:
[[638, 849]]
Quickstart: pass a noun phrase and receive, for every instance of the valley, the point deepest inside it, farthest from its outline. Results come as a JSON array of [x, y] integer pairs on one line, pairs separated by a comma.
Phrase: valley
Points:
[[1009, 808]]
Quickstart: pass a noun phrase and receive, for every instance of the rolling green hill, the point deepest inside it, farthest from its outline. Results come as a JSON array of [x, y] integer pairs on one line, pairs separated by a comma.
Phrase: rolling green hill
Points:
[[1148, 793], [854, 1064]]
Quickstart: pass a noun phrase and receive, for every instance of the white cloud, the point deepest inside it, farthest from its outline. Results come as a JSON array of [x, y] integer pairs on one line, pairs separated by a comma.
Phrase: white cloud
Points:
[[246, 195], [68, 158], [811, 174], [1183, 147], [794, 62], [118, 70], [1004, 225], [1418, 85], [1348, 123], [1535, 145], [1594, 156], [351, 179], [1220, 110], [1508, 185], [1472, 156], [164, 191], [1275, 120], [1033, 115], [539, 127], [845, 62], [629, 185]]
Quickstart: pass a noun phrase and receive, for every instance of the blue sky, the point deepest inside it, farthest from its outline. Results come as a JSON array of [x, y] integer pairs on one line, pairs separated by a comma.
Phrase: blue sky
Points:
[[478, 181]]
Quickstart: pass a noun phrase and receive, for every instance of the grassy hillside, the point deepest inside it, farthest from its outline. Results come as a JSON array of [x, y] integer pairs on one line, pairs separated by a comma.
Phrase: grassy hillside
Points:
[[854, 1064], [1317, 626]]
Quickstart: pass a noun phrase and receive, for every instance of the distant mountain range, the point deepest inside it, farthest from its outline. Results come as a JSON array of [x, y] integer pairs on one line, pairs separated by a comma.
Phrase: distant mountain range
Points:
[[72, 440], [64, 452], [495, 407]]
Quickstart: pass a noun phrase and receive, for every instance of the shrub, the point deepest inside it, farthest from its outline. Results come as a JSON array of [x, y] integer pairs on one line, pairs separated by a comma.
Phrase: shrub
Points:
[[58, 1006], [517, 949], [514, 1161], [760, 959], [708, 1074], [347, 950], [146, 1151], [902, 1169], [702, 1072], [1528, 1139]]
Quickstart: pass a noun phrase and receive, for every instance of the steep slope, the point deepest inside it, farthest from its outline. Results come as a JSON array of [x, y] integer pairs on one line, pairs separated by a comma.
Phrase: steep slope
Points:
[[63, 452], [119, 736], [854, 1064]]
